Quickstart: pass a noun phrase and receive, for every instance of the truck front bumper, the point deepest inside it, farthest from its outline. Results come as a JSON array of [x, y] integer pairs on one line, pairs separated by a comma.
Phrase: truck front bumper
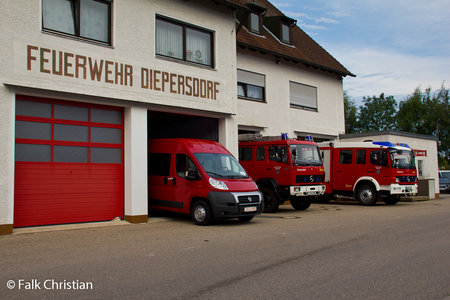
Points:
[[235, 204], [401, 189], [307, 190]]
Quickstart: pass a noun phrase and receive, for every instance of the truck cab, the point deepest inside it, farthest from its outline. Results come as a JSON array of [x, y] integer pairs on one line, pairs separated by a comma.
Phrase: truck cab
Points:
[[284, 170], [369, 171], [202, 179]]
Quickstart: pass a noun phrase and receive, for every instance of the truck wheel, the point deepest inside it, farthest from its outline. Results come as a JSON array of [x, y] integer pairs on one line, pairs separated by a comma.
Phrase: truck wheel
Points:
[[300, 204], [270, 200], [246, 218], [366, 195], [392, 199], [201, 213]]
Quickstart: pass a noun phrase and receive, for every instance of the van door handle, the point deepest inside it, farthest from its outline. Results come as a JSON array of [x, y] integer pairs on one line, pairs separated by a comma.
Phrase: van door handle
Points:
[[268, 169], [166, 179]]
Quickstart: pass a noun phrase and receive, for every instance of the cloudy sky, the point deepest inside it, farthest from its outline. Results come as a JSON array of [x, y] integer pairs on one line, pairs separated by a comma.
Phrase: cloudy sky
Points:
[[393, 46]]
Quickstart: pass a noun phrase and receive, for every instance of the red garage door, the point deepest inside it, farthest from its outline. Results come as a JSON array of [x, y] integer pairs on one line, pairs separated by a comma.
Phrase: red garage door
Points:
[[68, 162]]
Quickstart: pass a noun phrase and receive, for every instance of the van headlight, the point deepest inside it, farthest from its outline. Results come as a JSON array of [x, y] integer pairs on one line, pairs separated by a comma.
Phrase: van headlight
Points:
[[220, 185]]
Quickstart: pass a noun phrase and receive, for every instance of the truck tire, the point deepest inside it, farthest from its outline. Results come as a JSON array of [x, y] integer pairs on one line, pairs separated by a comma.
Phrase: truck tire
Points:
[[392, 199], [201, 213], [366, 195], [270, 200], [300, 204], [245, 219]]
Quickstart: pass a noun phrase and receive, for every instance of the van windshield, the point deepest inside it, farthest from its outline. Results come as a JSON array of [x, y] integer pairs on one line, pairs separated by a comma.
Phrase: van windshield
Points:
[[223, 166], [402, 159], [306, 155]]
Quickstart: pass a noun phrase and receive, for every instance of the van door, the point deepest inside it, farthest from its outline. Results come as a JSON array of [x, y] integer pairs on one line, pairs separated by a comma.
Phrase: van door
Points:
[[379, 166], [161, 182], [187, 181]]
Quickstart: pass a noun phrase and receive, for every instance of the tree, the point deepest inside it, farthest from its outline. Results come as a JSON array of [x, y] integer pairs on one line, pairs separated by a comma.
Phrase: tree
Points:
[[351, 114], [378, 113]]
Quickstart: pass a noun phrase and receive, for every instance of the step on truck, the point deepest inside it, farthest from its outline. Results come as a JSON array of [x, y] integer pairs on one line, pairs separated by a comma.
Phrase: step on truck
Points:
[[368, 171], [283, 169], [202, 179]]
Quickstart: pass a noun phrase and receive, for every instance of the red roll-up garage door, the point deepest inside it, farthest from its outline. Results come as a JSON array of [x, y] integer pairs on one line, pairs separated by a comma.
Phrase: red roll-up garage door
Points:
[[68, 162]]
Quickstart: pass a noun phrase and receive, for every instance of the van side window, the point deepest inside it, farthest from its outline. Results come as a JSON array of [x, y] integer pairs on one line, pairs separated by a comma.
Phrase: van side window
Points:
[[245, 153], [278, 154], [345, 157], [360, 157], [183, 164], [260, 153], [379, 158], [159, 164]]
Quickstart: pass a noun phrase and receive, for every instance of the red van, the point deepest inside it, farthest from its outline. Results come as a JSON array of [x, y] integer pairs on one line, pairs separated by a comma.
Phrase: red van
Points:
[[200, 178]]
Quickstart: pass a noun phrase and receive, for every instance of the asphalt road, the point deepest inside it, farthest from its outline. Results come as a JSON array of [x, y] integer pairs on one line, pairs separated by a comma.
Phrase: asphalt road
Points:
[[330, 251]]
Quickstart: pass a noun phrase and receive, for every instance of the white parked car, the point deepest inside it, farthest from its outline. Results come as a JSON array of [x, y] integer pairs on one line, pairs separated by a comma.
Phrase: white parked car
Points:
[[444, 181]]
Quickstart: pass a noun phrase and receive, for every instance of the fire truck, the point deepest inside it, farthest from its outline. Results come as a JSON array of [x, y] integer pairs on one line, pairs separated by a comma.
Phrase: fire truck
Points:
[[369, 171], [284, 169]]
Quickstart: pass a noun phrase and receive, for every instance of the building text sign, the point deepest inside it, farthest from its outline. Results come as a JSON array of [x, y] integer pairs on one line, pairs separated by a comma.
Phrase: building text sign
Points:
[[68, 64]]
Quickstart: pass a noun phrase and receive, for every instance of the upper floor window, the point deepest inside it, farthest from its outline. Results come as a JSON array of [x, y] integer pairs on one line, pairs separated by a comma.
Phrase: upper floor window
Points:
[[89, 19], [255, 22], [250, 85], [303, 96], [184, 42], [285, 33]]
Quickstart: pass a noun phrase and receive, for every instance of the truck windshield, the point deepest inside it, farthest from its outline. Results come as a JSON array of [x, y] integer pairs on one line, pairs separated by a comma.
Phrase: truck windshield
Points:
[[402, 159], [306, 155], [219, 165]]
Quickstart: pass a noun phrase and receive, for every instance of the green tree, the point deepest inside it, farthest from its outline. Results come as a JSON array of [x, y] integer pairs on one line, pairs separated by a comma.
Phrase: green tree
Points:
[[378, 113], [351, 114]]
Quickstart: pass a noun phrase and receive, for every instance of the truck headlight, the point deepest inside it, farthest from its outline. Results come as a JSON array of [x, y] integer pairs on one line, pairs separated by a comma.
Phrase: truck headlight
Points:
[[220, 185]]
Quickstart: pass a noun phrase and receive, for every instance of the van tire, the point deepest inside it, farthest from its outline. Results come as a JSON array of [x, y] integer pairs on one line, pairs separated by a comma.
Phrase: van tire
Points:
[[366, 195], [270, 200], [300, 204], [245, 219], [201, 213]]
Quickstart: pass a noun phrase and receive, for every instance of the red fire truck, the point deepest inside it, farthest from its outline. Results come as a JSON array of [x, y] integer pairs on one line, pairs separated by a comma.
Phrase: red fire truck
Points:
[[369, 171], [284, 169]]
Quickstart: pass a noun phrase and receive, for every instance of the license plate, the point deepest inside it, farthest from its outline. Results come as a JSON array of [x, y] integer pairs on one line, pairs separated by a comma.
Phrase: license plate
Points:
[[250, 208]]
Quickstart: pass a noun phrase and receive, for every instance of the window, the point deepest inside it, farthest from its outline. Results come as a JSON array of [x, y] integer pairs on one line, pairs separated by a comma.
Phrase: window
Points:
[[260, 153], [89, 19], [345, 157], [159, 164], [245, 153], [360, 157], [379, 158], [250, 85], [278, 154], [184, 42], [285, 33], [303, 96], [183, 165], [254, 23]]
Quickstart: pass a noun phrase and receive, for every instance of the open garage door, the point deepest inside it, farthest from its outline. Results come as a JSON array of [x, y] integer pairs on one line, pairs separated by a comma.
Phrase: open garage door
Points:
[[166, 125], [68, 162]]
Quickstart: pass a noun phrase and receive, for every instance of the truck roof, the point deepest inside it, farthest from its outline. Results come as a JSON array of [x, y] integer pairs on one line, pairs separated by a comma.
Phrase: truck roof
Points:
[[359, 145], [279, 142]]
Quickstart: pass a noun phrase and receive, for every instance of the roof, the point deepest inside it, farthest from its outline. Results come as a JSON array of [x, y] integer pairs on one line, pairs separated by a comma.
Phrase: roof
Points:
[[303, 49]]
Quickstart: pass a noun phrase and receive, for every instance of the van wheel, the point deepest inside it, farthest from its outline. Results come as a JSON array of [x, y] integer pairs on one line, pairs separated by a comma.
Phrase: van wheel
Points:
[[366, 195], [391, 200], [270, 200], [300, 204], [246, 218], [201, 213]]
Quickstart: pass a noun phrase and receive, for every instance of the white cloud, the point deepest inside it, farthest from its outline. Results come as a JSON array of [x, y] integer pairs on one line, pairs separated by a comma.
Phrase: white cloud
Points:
[[326, 20]]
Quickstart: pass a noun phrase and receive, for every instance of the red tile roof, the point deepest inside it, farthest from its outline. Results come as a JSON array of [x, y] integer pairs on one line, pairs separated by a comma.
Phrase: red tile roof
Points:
[[303, 50]]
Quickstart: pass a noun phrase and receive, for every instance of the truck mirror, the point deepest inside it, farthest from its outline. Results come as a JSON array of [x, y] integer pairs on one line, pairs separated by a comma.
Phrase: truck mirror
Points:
[[192, 174]]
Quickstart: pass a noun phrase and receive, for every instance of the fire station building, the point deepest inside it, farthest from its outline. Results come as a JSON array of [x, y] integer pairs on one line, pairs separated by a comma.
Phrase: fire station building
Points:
[[87, 83]]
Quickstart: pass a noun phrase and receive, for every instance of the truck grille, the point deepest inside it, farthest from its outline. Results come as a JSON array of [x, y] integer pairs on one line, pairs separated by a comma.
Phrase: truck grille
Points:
[[248, 199], [406, 178], [309, 178]]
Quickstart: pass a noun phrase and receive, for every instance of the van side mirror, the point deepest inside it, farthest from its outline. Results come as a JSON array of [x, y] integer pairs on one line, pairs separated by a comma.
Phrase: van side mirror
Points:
[[192, 174]]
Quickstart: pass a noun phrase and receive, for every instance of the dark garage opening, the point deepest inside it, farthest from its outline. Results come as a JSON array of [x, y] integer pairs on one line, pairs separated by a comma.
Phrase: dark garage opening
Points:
[[167, 125]]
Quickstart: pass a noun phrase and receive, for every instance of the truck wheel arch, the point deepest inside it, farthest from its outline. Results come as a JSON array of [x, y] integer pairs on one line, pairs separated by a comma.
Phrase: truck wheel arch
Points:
[[366, 180], [268, 183]]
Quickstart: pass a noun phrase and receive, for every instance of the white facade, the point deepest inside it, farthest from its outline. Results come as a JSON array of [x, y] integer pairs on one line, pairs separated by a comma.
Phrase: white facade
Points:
[[275, 115]]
